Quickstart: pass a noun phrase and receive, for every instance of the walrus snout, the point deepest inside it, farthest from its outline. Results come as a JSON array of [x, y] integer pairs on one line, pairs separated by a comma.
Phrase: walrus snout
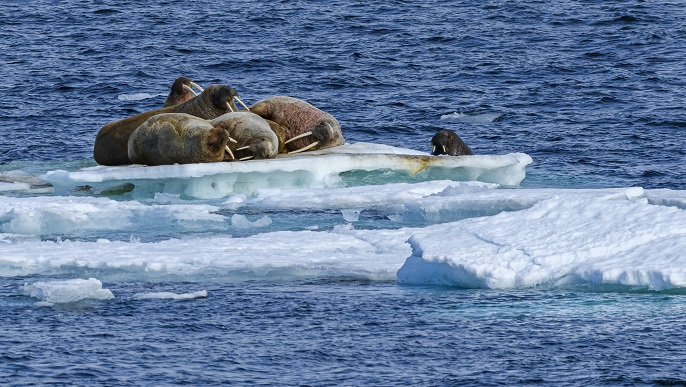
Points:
[[262, 149]]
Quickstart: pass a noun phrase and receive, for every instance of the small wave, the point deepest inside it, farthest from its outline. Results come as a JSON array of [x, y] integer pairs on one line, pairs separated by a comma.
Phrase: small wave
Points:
[[476, 118], [137, 96], [171, 295]]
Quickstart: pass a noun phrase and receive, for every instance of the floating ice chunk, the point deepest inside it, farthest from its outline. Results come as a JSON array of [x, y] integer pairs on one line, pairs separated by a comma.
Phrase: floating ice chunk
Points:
[[59, 292], [171, 295], [14, 186], [283, 254], [351, 214], [584, 236], [47, 215], [137, 96], [241, 221]]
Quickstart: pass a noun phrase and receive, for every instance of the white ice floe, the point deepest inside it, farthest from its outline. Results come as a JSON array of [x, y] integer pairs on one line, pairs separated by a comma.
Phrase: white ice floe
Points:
[[44, 215], [485, 237], [65, 291], [603, 237], [275, 255], [171, 295], [319, 169]]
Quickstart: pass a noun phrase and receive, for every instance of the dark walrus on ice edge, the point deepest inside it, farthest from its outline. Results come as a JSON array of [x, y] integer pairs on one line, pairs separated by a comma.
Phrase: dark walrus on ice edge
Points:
[[111, 142], [447, 142]]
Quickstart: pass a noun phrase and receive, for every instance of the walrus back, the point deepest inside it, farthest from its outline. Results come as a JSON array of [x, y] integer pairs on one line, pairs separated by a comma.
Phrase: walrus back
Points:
[[176, 138], [111, 142], [297, 117]]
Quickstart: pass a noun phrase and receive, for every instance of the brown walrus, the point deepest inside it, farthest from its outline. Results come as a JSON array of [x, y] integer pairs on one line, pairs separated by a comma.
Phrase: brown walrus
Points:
[[181, 91], [111, 142], [447, 142], [305, 126], [253, 136], [177, 138]]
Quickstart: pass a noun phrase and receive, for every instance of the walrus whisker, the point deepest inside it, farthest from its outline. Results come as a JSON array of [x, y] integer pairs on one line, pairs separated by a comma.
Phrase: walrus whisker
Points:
[[230, 108], [241, 102], [305, 148], [243, 148], [193, 84], [246, 158], [189, 89], [230, 153], [299, 136]]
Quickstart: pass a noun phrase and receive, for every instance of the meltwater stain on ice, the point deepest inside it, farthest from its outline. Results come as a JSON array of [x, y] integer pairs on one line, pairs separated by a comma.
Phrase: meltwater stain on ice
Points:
[[65, 291]]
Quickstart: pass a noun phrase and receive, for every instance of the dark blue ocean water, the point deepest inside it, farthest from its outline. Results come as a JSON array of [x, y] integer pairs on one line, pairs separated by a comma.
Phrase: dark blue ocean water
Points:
[[593, 91]]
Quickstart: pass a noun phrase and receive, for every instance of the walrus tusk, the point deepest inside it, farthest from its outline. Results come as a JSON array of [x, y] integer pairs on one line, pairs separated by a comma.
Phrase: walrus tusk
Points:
[[246, 158], [232, 140], [330, 127], [230, 108], [305, 148], [230, 153], [193, 84], [241, 102], [433, 150], [243, 148], [444, 151], [299, 136], [189, 89]]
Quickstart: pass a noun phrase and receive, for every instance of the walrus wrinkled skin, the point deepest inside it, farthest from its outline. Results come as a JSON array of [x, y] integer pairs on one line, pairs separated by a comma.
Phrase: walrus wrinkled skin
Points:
[[181, 91], [297, 117], [254, 137], [447, 142], [111, 142], [177, 138]]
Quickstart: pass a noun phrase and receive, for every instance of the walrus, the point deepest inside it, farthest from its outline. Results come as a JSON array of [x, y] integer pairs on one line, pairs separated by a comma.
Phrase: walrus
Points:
[[177, 138], [447, 142], [305, 126], [111, 142], [181, 91], [253, 136]]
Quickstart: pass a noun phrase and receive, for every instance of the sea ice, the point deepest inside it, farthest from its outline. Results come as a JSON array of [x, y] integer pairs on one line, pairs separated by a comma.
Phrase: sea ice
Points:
[[59, 292], [318, 169]]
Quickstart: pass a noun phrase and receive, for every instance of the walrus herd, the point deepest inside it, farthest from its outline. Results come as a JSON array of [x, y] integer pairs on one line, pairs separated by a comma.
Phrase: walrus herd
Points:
[[208, 127]]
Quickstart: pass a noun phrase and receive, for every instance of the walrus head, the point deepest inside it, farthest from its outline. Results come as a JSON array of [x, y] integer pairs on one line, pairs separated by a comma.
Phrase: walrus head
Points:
[[217, 143], [223, 97], [181, 91], [319, 136], [447, 142]]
